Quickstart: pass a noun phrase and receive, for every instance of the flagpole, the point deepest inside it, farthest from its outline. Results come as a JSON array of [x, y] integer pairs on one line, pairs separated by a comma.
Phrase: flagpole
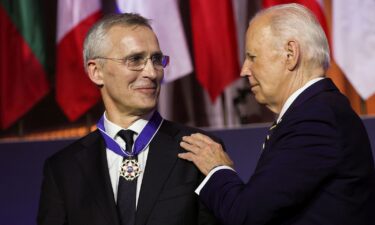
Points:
[[21, 130], [88, 122], [363, 107], [225, 111]]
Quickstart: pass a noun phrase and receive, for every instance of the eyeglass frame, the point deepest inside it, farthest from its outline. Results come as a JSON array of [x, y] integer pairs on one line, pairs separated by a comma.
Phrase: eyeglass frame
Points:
[[164, 61]]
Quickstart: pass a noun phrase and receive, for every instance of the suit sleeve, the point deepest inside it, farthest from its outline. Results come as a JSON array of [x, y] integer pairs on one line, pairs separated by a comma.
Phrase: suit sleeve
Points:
[[206, 216], [301, 158], [51, 206]]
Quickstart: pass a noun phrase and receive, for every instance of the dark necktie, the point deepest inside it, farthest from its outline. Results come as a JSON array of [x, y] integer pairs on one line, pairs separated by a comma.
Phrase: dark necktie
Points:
[[127, 189]]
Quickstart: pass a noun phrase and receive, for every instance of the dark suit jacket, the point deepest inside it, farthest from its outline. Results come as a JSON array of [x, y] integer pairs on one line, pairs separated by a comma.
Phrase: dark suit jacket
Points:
[[317, 168], [76, 189]]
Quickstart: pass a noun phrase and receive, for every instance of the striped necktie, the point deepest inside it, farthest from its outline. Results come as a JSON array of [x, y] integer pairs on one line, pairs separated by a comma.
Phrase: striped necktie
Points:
[[269, 134]]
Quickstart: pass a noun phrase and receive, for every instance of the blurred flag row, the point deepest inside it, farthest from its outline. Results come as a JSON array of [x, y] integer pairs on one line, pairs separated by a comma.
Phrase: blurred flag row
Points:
[[23, 76], [216, 30]]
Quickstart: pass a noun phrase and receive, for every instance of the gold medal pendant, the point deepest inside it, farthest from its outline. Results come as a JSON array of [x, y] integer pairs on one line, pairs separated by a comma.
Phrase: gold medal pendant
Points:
[[130, 169]]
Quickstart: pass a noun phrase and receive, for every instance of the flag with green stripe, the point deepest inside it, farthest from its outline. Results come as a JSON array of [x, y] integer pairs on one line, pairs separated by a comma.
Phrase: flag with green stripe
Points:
[[22, 59]]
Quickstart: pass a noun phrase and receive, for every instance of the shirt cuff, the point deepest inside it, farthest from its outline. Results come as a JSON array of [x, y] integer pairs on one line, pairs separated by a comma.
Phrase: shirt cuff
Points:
[[199, 188]]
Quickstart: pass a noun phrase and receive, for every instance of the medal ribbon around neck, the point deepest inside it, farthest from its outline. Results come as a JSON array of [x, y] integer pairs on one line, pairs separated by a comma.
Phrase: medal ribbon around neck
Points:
[[142, 141]]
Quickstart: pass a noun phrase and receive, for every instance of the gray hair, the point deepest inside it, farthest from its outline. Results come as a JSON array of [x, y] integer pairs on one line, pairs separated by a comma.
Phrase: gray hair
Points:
[[297, 22], [95, 38]]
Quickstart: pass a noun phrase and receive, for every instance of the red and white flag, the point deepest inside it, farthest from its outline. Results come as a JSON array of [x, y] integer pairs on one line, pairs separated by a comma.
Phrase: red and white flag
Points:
[[75, 93], [214, 44], [166, 23], [224, 113]]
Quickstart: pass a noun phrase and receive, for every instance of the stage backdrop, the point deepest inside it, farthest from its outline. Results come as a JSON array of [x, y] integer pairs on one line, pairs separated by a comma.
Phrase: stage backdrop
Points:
[[21, 167]]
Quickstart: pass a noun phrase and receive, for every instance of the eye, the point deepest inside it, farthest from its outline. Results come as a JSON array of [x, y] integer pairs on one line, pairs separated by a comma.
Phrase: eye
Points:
[[134, 59], [157, 59], [250, 57]]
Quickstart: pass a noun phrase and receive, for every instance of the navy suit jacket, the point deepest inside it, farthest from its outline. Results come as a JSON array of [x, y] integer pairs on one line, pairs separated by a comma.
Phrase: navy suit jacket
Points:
[[316, 168], [77, 190]]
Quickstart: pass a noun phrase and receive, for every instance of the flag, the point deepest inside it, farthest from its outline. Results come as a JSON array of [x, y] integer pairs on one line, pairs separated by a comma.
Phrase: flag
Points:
[[166, 23], [214, 44], [224, 112], [22, 60], [353, 43], [75, 93]]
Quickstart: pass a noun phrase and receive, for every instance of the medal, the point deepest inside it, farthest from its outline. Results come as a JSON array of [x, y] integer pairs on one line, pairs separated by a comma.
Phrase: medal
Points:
[[130, 169]]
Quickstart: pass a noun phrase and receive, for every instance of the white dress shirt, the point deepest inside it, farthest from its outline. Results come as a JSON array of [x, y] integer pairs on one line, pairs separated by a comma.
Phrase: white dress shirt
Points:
[[285, 107], [114, 160]]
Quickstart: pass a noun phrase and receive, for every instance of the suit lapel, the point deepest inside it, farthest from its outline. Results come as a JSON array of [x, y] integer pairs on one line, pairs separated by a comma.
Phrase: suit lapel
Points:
[[161, 159], [93, 161]]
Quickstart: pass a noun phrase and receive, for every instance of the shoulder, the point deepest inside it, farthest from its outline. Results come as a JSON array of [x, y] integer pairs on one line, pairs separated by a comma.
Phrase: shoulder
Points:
[[180, 130], [325, 116], [66, 153], [177, 127], [330, 107]]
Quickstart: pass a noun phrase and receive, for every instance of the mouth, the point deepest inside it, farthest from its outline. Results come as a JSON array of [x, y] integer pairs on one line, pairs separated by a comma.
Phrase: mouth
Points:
[[146, 89], [252, 86]]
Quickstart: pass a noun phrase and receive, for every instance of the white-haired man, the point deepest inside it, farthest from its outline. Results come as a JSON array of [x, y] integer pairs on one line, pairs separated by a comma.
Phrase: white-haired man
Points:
[[316, 165]]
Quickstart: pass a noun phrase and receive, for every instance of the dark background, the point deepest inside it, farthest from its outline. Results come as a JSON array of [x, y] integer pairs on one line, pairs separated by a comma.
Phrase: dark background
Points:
[[21, 166]]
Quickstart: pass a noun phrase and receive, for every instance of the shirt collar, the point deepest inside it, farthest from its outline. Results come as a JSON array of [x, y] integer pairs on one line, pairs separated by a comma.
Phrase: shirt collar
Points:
[[112, 129], [294, 96]]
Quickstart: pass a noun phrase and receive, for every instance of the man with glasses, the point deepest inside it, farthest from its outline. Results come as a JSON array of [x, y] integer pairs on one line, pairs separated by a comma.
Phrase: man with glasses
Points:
[[127, 171]]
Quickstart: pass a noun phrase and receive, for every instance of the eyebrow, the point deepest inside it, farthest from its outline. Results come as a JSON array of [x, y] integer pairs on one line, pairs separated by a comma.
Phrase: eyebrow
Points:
[[142, 53]]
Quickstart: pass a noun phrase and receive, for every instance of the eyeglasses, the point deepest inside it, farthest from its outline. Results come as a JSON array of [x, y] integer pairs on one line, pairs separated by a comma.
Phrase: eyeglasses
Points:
[[138, 62]]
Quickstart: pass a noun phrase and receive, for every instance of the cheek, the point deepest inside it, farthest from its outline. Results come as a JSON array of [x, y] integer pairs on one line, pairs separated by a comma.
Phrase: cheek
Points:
[[266, 83]]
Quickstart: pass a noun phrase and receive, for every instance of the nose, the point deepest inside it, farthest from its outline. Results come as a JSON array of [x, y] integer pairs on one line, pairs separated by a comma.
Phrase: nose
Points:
[[149, 70], [246, 70]]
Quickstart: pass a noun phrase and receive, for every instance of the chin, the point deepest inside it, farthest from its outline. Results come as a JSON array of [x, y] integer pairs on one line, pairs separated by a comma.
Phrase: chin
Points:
[[148, 107], [259, 99]]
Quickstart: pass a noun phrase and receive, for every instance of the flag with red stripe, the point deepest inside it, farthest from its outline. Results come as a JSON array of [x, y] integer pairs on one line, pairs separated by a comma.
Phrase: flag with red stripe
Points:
[[214, 44], [23, 80], [75, 93]]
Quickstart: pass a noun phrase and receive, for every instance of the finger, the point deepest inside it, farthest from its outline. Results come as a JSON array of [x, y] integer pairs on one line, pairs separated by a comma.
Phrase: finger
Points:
[[203, 138], [194, 141], [186, 156], [210, 143], [189, 147]]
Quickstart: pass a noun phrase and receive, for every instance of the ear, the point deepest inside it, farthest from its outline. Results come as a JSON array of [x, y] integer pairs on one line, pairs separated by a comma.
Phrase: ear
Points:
[[293, 54], [94, 72]]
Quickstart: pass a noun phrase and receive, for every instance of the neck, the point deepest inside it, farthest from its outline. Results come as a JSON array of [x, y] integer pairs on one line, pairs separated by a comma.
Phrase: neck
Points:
[[123, 116], [126, 119], [123, 121], [298, 80]]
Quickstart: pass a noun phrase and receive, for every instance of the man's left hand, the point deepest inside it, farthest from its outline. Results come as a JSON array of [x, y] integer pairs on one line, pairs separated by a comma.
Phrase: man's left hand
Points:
[[205, 153]]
